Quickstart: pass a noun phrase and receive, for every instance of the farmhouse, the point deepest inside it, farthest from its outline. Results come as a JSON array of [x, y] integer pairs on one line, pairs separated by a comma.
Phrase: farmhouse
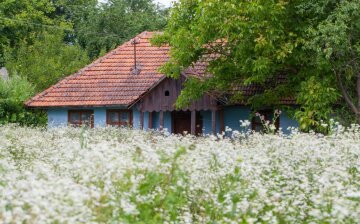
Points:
[[125, 88]]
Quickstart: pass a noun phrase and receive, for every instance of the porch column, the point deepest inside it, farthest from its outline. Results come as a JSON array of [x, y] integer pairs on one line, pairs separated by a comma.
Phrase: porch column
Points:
[[213, 121], [150, 125], [161, 120], [141, 120], [193, 122]]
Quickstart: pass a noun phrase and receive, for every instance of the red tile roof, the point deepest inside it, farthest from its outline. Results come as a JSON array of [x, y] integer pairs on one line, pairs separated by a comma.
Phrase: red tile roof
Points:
[[109, 81]]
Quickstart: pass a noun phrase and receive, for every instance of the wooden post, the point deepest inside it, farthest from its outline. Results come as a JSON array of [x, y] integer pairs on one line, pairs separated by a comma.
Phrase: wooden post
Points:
[[141, 120], [193, 122], [150, 125], [221, 120], [161, 120], [213, 121]]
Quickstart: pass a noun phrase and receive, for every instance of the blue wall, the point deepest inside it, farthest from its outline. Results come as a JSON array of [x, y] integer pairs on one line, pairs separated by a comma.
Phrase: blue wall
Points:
[[206, 117], [286, 121], [232, 117], [136, 118], [156, 120], [57, 117], [99, 117]]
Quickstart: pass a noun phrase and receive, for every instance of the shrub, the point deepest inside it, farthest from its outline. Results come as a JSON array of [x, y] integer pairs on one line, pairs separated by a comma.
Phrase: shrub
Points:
[[13, 93]]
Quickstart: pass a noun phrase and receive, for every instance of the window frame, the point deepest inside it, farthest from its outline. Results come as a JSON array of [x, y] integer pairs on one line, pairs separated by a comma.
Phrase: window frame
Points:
[[267, 115], [81, 122], [120, 123]]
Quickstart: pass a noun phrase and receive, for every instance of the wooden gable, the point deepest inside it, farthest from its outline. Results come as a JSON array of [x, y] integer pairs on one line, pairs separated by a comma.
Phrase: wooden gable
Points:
[[164, 95]]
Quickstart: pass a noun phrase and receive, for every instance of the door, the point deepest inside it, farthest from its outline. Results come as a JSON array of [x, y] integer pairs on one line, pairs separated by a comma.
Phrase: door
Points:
[[181, 122]]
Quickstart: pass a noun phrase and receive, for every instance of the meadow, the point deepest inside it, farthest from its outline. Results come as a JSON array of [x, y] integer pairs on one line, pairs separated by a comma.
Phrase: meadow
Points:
[[129, 176]]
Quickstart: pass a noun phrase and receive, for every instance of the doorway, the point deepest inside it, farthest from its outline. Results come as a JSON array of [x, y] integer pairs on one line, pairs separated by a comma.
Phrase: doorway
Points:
[[181, 122]]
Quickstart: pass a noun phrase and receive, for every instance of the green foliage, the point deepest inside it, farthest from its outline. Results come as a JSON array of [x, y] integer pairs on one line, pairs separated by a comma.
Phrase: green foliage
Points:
[[44, 41], [24, 20], [336, 44], [105, 27], [254, 41], [269, 126], [171, 199], [13, 93], [317, 103], [47, 60]]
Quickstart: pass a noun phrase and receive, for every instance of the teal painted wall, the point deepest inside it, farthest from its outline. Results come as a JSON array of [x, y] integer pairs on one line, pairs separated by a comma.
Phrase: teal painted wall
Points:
[[167, 121], [136, 118], [57, 117], [146, 121], [206, 117], [232, 117], [156, 120], [287, 121], [99, 117]]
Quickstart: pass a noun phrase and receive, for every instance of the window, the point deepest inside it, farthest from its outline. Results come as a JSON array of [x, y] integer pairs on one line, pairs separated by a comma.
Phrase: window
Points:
[[167, 93], [78, 118], [119, 118], [263, 116]]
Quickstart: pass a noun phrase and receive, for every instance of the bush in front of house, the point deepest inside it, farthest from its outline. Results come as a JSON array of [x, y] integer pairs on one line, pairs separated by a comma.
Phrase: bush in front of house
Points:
[[13, 93]]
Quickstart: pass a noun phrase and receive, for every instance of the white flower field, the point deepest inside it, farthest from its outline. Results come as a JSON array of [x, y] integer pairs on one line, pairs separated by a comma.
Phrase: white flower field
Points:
[[127, 176]]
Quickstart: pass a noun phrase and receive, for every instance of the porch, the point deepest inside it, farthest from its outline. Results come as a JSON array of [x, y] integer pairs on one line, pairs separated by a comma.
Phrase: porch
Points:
[[177, 122]]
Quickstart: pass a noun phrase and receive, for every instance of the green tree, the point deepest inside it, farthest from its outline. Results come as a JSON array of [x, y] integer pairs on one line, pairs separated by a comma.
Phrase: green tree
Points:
[[13, 93], [47, 60], [335, 42], [251, 42], [23, 20], [104, 27]]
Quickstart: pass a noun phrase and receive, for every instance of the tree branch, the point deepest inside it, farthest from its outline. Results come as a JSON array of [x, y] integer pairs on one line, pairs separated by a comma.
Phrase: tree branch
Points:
[[356, 67], [345, 94]]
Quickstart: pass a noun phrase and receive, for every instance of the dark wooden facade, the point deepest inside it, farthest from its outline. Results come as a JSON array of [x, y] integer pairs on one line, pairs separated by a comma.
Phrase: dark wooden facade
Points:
[[165, 94], [163, 98]]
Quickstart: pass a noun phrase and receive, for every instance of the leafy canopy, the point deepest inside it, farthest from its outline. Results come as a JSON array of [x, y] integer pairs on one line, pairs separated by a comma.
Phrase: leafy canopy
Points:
[[24, 20], [13, 93], [103, 28], [255, 41], [47, 60]]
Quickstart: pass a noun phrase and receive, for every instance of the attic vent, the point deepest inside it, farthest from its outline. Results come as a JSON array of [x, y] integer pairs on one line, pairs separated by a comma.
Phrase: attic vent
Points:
[[135, 70]]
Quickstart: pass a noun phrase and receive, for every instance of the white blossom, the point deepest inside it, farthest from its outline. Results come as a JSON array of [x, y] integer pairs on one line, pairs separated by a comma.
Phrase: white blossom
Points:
[[102, 175]]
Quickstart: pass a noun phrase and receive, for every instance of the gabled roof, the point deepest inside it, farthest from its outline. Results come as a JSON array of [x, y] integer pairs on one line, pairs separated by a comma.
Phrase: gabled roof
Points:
[[109, 81]]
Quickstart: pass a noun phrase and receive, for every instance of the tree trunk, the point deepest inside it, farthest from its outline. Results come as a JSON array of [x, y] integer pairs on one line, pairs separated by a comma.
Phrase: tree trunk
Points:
[[358, 98], [354, 108]]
